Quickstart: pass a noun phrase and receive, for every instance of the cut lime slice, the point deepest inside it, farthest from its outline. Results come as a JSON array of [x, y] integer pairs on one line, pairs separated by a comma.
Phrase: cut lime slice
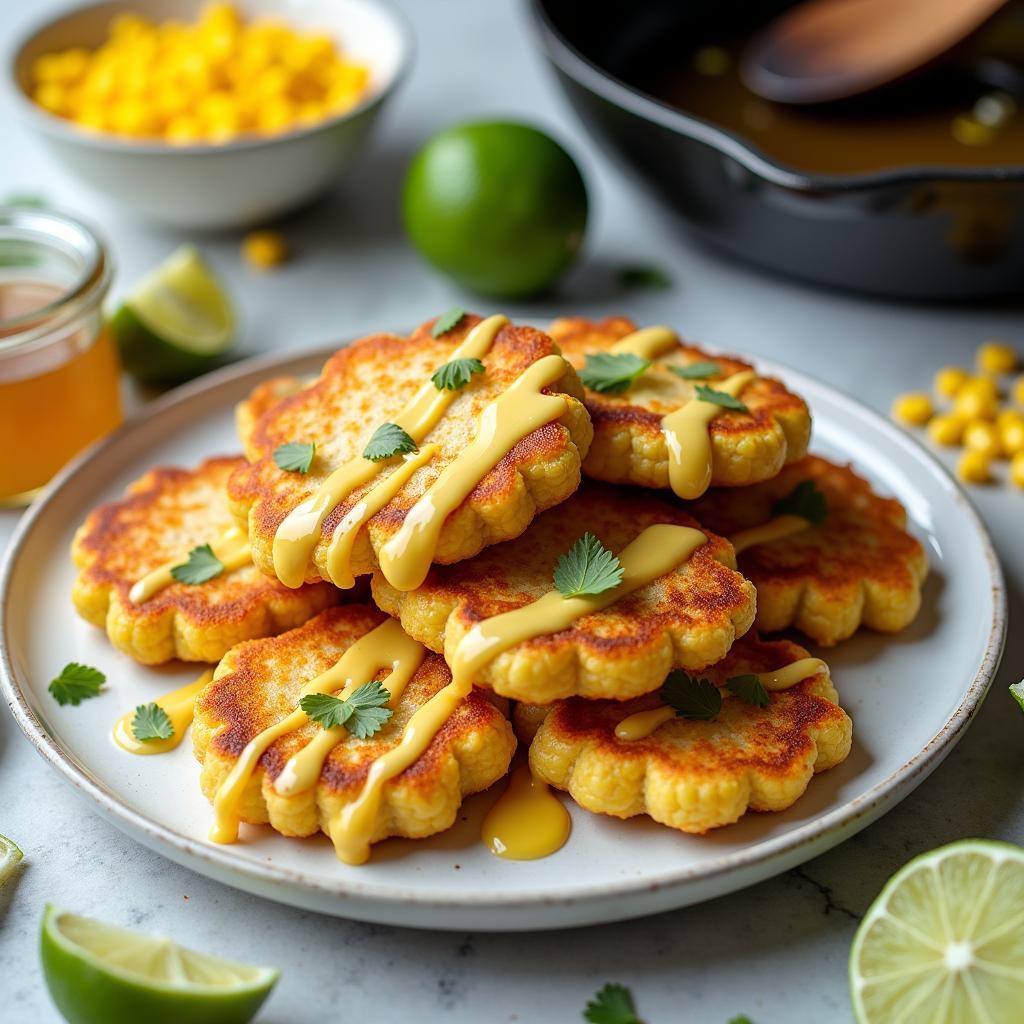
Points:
[[176, 323], [10, 858], [945, 940], [100, 974]]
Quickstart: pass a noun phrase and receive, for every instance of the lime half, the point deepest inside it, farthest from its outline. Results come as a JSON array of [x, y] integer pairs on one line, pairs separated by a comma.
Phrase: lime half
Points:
[[10, 858], [99, 974], [945, 940], [176, 323]]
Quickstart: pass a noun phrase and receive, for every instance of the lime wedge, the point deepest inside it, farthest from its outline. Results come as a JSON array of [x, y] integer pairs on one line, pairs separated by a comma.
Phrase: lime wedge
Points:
[[100, 974], [10, 858], [176, 323], [945, 940]]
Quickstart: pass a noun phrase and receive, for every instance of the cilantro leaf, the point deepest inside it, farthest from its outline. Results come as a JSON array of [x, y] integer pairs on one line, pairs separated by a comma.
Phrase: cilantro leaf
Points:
[[202, 565], [388, 439], [151, 722], [612, 1005], [698, 699], [610, 373], [644, 277], [722, 398], [749, 688], [295, 457], [446, 321], [456, 374], [697, 371], [588, 567], [806, 501], [76, 683], [1017, 693], [363, 712]]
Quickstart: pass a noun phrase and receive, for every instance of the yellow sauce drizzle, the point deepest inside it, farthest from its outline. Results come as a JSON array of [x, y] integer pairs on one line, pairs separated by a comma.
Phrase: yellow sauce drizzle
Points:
[[339, 552], [642, 724], [778, 528], [179, 706], [232, 549], [523, 408], [657, 551], [647, 343], [383, 647], [300, 530], [528, 821]]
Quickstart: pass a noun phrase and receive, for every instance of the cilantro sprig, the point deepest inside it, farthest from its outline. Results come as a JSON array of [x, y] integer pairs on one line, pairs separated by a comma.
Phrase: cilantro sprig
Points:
[[446, 321], [455, 374], [388, 439], [295, 457], [694, 698], [363, 712], [806, 501], [76, 683], [611, 373], [588, 567], [151, 722], [202, 565], [613, 1004], [748, 687], [722, 398], [697, 371]]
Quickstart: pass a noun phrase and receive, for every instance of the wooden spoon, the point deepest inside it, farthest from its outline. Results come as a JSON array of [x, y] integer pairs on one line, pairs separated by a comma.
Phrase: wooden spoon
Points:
[[826, 50]]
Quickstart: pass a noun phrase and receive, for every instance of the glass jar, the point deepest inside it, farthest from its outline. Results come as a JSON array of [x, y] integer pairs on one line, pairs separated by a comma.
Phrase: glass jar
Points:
[[59, 374]]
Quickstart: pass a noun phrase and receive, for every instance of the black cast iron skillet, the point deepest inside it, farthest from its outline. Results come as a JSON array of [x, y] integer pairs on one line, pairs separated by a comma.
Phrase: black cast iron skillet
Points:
[[928, 231]]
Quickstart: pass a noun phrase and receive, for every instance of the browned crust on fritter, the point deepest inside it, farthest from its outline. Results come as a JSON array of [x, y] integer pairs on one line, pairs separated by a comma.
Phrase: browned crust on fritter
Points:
[[695, 775], [261, 400], [258, 683], [746, 447], [345, 405], [688, 618], [860, 566], [162, 517]]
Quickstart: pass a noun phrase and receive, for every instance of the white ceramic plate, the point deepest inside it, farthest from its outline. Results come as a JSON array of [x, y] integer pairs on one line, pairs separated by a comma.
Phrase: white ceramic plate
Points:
[[910, 698]]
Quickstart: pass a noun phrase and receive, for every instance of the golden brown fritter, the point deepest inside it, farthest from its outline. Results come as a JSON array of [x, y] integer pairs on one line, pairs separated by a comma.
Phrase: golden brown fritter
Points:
[[261, 400], [365, 385], [687, 619], [859, 567], [164, 515], [697, 775], [258, 683], [629, 446]]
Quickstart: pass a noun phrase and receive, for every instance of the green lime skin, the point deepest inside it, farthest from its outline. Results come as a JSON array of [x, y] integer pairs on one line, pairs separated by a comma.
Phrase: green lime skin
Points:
[[150, 359], [498, 206], [85, 994]]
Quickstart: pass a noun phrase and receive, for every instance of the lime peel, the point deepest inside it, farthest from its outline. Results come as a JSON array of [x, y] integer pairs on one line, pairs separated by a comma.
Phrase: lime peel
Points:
[[10, 858]]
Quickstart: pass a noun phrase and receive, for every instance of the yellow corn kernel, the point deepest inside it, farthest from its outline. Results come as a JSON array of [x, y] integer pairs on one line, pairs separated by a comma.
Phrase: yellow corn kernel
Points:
[[974, 468], [1017, 391], [183, 130], [946, 429], [276, 115], [264, 249], [51, 97], [1017, 469], [914, 408], [1011, 437], [982, 436], [996, 357], [975, 402], [949, 380]]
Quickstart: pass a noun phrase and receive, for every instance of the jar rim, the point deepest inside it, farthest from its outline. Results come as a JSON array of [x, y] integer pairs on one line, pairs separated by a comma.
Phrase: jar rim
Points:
[[57, 230]]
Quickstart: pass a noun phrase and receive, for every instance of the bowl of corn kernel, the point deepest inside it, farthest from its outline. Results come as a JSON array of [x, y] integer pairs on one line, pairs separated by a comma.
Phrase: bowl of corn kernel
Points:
[[210, 115]]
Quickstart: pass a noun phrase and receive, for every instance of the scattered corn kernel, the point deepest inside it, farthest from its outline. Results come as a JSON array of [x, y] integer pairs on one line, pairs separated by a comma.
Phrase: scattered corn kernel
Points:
[[1017, 469], [914, 408], [949, 380], [982, 436], [264, 249], [974, 401], [1017, 391], [946, 429], [1011, 437], [974, 468], [996, 357], [208, 81]]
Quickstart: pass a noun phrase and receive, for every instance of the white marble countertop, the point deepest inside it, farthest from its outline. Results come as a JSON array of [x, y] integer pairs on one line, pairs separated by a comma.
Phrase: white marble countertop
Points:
[[776, 952]]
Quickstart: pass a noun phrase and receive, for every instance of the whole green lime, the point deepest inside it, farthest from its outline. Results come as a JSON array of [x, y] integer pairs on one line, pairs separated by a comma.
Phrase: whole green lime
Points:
[[498, 206]]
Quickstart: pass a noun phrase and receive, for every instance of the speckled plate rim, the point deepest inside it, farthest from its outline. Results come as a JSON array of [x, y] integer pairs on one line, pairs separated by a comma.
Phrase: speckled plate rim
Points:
[[406, 905]]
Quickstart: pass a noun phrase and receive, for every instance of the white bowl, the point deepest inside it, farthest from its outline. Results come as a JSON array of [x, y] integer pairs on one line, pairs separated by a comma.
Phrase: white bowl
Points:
[[229, 185]]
